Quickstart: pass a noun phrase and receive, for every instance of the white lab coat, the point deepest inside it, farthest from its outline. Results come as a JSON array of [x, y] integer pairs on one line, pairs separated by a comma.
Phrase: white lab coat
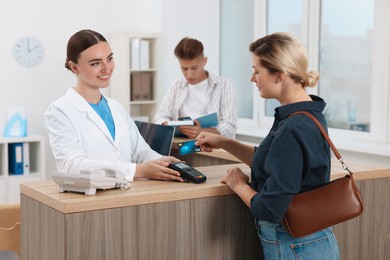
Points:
[[80, 139]]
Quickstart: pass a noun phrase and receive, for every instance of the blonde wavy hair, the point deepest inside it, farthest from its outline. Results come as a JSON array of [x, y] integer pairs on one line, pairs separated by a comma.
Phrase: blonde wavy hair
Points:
[[282, 52]]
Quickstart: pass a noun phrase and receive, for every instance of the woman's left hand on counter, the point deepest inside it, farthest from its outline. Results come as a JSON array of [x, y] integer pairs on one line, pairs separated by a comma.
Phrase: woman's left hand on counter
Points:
[[234, 178], [238, 182]]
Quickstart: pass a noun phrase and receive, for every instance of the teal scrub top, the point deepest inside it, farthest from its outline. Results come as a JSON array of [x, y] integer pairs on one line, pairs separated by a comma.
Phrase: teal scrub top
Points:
[[104, 112]]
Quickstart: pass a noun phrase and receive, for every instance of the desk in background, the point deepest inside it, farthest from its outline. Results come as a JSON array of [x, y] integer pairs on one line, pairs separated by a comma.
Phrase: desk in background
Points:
[[216, 157], [171, 220], [221, 157]]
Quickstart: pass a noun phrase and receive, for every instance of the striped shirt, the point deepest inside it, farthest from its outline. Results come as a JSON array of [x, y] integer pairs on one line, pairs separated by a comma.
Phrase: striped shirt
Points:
[[222, 99]]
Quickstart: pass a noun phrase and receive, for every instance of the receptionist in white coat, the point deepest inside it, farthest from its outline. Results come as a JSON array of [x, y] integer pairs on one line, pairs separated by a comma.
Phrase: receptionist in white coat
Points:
[[89, 130]]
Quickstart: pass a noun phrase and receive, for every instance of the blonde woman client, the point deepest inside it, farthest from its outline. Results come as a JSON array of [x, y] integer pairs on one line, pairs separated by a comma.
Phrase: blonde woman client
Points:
[[293, 158]]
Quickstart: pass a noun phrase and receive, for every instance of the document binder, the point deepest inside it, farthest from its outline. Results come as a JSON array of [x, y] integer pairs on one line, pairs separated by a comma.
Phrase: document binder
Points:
[[136, 87], [146, 80], [141, 86], [140, 54], [15, 158], [135, 54], [26, 158], [144, 54]]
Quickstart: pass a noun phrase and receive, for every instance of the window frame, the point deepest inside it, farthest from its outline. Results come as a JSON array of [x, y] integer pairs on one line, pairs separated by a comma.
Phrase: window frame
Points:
[[376, 141]]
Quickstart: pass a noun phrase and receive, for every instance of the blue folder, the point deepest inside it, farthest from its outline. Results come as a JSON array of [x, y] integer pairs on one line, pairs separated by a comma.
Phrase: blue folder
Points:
[[207, 121], [15, 158]]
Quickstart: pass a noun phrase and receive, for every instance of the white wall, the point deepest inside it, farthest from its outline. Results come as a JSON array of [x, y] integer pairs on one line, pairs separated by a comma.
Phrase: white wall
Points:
[[53, 22], [197, 19]]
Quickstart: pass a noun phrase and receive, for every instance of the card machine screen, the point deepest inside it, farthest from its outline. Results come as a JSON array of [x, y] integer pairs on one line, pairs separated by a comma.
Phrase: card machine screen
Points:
[[188, 173], [182, 166]]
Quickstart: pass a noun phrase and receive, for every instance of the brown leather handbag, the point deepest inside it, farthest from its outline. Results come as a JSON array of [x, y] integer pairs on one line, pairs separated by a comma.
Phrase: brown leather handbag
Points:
[[333, 203]]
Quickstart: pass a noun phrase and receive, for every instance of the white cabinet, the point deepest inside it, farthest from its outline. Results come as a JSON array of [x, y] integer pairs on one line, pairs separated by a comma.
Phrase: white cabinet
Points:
[[30, 154], [135, 82], [2, 191]]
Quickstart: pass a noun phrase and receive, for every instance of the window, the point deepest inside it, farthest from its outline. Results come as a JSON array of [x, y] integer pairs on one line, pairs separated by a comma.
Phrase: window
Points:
[[346, 62], [348, 42], [284, 16], [344, 56], [236, 33]]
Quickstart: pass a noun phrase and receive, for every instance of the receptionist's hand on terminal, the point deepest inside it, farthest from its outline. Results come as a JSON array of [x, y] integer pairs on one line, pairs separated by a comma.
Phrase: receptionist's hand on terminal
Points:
[[169, 159], [157, 170]]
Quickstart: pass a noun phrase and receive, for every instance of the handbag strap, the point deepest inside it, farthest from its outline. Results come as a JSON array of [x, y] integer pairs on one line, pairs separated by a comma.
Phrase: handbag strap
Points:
[[325, 134]]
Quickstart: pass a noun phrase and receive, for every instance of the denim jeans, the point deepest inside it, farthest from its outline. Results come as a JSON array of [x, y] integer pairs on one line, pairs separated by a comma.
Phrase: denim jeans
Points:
[[279, 244]]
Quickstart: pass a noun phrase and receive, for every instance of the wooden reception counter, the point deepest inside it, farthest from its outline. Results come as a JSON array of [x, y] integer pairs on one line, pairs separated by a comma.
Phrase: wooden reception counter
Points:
[[151, 220], [171, 220]]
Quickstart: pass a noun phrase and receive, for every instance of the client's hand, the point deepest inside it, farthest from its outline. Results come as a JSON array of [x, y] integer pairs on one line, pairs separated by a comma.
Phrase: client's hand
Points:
[[235, 178], [209, 141]]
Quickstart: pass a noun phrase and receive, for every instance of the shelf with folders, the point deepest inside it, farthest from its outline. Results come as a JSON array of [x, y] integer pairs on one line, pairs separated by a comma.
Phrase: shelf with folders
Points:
[[21, 159], [136, 78]]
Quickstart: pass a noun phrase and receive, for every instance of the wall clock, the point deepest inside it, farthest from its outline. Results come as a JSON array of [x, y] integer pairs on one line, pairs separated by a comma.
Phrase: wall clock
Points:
[[28, 51]]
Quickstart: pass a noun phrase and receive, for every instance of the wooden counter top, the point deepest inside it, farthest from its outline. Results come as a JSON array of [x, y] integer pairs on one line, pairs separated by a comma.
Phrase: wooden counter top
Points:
[[141, 192], [149, 191]]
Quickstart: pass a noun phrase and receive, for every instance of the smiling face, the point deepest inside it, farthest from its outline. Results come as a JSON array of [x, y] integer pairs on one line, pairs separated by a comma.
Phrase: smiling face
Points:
[[193, 70], [266, 82], [94, 66]]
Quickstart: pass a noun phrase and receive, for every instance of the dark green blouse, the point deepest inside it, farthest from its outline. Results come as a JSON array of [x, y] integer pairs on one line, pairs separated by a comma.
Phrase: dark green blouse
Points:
[[293, 158]]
